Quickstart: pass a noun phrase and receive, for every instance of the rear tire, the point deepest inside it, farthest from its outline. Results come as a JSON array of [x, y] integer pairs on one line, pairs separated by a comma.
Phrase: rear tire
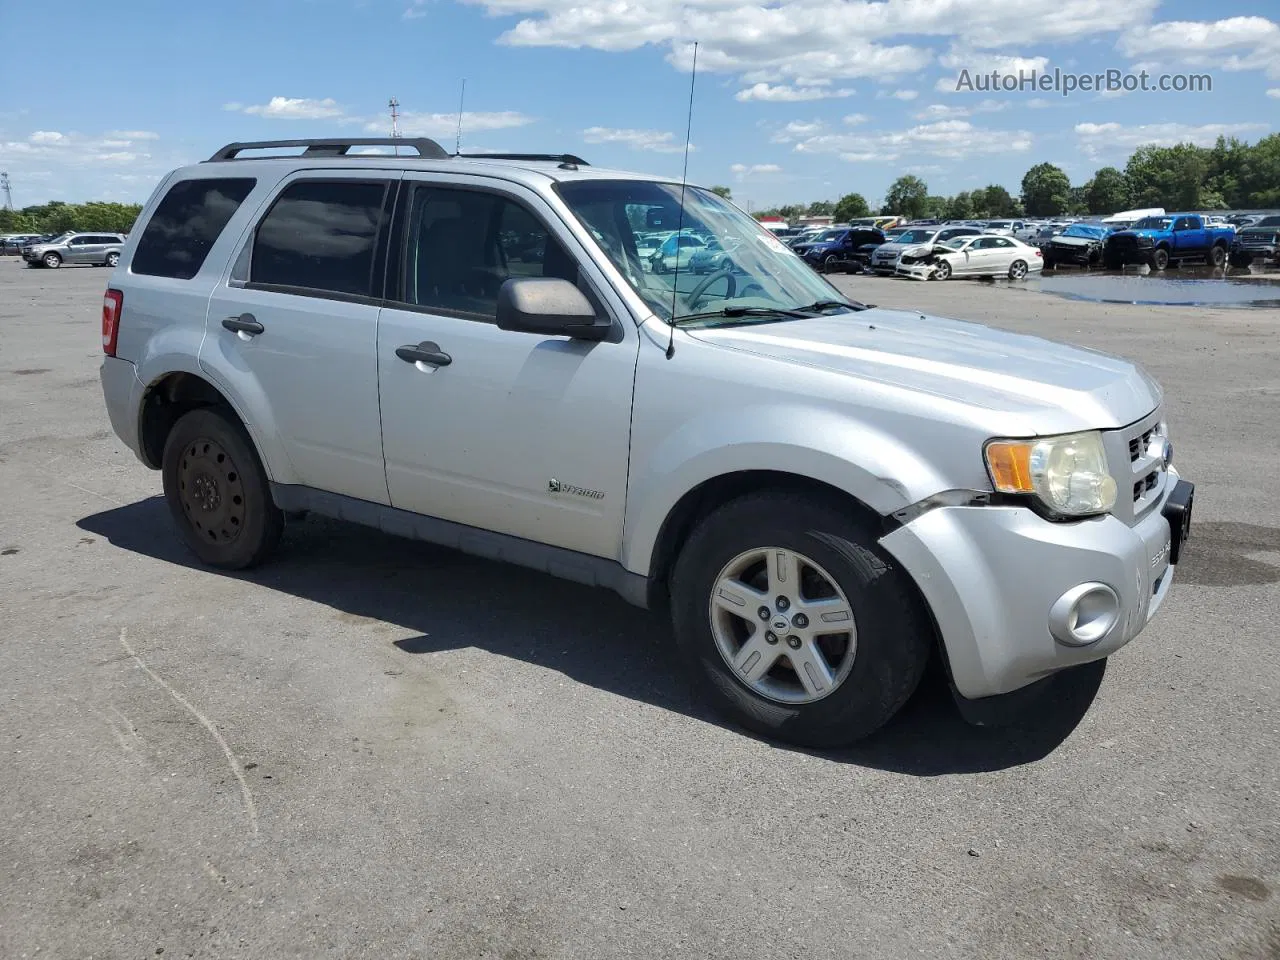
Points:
[[218, 492], [111, 260], [1018, 270], [872, 665]]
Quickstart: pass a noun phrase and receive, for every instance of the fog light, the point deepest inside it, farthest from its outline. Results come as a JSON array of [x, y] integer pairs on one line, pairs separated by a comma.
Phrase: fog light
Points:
[[1084, 614]]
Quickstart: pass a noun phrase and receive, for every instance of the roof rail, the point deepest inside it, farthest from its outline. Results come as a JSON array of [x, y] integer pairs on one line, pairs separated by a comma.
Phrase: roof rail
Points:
[[338, 147], [561, 158]]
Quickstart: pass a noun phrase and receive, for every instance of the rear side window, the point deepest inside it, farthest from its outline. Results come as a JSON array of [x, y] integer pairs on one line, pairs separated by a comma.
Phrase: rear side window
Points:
[[185, 225], [320, 235]]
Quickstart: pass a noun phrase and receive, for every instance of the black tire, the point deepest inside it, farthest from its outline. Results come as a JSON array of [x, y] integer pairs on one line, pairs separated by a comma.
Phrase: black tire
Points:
[[111, 260], [1217, 255], [1159, 259], [893, 637], [829, 264], [209, 454]]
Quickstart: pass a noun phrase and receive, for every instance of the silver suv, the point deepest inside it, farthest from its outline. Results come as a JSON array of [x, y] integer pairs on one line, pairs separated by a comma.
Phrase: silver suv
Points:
[[98, 249], [470, 351]]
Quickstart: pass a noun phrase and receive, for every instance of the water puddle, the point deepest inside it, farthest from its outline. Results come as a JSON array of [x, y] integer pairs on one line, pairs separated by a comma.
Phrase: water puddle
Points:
[[1186, 287]]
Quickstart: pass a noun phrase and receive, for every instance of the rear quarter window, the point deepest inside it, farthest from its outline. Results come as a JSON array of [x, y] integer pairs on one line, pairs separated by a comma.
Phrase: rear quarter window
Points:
[[187, 222]]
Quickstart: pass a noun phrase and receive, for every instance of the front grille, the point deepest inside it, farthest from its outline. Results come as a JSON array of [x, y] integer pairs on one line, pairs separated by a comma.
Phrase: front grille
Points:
[[1257, 240], [1137, 465]]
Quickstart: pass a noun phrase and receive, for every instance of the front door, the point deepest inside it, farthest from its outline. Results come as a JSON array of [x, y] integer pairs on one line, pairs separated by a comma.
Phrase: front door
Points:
[[518, 433], [297, 324], [77, 250]]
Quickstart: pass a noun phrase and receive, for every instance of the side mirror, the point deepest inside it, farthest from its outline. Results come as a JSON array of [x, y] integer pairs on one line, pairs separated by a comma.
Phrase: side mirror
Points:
[[550, 306]]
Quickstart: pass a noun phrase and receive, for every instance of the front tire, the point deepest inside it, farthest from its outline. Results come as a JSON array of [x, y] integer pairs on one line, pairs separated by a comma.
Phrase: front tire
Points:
[[794, 623], [829, 264], [52, 261], [1159, 259], [218, 492], [1217, 256], [1241, 259], [942, 271]]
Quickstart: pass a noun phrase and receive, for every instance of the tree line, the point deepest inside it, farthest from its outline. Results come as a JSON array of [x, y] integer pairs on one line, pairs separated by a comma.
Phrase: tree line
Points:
[[58, 217], [1230, 175]]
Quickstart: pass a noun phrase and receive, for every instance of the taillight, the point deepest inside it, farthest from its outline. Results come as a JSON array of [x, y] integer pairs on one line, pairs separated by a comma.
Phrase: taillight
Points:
[[112, 305], [1039, 254]]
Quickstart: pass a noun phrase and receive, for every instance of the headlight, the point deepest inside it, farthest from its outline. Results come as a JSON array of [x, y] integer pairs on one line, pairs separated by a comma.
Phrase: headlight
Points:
[[1067, 474]]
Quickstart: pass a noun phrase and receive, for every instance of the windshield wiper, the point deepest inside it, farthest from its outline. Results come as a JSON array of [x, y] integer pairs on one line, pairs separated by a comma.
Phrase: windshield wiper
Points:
[[730, 313], [832, 304]]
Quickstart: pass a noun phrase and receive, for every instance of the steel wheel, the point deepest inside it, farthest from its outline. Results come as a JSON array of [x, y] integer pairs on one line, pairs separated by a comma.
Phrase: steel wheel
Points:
[[783, 625], [211, 491], [1017, 270]]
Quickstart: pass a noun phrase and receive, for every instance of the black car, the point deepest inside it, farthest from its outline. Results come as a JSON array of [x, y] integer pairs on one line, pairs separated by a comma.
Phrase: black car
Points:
[[839, 248], [1080, 245]]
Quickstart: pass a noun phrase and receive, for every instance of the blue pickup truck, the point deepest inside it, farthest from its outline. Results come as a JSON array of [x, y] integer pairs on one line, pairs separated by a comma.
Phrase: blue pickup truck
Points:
[[1172, 238]]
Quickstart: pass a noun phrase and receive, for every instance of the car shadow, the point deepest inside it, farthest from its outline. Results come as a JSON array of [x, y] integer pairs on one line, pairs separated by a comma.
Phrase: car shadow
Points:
[[447, 600]]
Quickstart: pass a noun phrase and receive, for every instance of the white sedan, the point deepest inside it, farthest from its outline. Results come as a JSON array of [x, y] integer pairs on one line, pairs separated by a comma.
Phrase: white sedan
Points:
[[982, 256]]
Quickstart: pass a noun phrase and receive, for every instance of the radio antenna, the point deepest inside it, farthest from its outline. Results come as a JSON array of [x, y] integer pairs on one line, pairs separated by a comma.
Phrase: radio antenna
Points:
[[684, 181], [462, 98]]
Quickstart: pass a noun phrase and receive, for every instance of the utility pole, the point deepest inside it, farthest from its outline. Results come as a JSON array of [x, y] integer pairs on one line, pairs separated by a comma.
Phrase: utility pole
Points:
[[394, 104], [8, 192]]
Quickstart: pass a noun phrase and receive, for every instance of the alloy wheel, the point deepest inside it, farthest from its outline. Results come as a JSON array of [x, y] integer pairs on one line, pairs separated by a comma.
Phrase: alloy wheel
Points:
[[783, 625]]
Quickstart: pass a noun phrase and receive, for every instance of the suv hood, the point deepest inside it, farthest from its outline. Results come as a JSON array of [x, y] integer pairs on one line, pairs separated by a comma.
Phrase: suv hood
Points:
[[1034, 386], [1259, 231]]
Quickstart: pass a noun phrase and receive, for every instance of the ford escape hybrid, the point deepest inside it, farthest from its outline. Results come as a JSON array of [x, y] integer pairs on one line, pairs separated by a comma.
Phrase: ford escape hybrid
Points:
[[471, 350]]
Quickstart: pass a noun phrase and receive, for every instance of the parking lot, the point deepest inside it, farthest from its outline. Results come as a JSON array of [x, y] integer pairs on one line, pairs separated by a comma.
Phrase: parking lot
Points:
[[379, 748]]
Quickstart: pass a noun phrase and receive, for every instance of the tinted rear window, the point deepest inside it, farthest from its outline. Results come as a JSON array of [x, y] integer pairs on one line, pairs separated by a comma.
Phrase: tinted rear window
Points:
[[185, 225], [320, 235]]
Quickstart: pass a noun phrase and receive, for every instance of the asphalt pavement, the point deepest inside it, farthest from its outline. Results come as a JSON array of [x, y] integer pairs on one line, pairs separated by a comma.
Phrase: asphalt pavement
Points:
[[378, 748]]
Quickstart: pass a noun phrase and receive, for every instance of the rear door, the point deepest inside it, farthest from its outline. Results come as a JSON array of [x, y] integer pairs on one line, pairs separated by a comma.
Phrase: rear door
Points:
[[297, 321]]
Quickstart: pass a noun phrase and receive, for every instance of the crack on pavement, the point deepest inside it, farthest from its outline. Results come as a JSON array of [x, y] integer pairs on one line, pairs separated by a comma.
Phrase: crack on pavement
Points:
[[236, 769]]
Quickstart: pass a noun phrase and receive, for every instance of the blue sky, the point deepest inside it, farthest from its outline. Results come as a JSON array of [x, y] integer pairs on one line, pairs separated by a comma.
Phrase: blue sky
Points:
[[797, 100]]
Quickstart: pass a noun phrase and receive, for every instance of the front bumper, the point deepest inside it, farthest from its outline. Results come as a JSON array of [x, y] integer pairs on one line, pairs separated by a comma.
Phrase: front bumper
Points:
[[122, 392], [992, 576], [916, 271]]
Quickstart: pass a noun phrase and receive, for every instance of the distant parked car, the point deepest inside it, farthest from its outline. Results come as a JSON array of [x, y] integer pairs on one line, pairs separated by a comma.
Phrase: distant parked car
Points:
[[838, 249], [11, 246], [1256, 243], [981, 256], [675, 253], [1080, 244], [1004, 228], [99, 249], [885, 258], [715, 256]]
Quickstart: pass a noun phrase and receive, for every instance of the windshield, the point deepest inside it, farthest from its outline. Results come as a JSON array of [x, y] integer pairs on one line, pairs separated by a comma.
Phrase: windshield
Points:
[[1268, 222], [1083, 230], [1154, 223], [916, 236], [829, 235], [764, 275]]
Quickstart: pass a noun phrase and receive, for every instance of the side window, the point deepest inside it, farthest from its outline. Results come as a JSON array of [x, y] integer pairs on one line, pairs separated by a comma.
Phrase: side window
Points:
[[462, 245], [185, 225], [75, 242], [1002, 242], [320, 235]]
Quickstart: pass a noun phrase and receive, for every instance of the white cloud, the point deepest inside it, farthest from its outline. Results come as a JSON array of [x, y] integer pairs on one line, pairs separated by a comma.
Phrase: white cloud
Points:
[[897, 95], [1114, 139], [1274, 92], [853, 119], [950, 139], [292, 108], [1236, 43], [656, 141], [446, 124], [64, 163], [940, 111], [132, 135], [47, 136], [415, 11], [798, 130], [784, 93], [807, 43], [979, 65], [742, 171]]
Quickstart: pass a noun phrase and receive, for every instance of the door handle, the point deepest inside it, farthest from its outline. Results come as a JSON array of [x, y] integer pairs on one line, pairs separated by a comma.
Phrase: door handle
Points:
[[427, 352], [245, 323]]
